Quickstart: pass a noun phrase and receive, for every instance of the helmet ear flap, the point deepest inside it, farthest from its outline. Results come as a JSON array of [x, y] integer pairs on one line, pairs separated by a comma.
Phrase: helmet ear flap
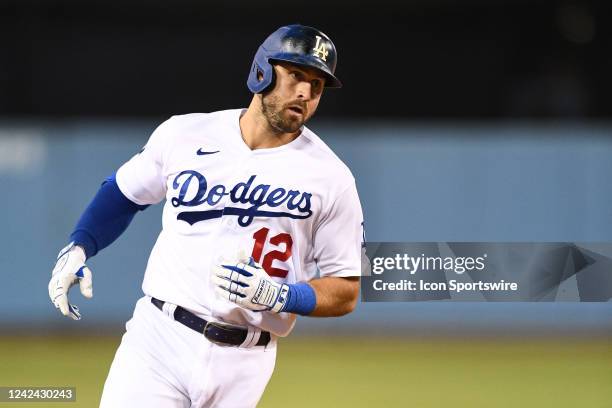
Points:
[[259, 74], [272, 79], [262, 75]]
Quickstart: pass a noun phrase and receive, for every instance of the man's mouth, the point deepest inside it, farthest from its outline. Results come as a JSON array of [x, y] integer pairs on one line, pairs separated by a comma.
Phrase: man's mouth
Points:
[[296, 109]]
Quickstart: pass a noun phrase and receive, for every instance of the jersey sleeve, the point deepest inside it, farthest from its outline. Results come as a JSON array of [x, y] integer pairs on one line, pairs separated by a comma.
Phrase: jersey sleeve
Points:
[[141, 179], [339, 237]]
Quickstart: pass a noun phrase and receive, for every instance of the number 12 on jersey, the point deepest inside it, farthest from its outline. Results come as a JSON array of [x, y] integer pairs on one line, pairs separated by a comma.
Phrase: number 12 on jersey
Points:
[[260, 237]]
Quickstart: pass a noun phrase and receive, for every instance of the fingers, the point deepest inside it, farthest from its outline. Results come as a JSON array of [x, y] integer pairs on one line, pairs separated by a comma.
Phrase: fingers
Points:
[[58, 289], [225, 293], [68, 269], [73, 312], [66, 308], [236, 281], [236, 271], [244, 269], [85, 281], [229, 285], [251, 267], [61, 302]]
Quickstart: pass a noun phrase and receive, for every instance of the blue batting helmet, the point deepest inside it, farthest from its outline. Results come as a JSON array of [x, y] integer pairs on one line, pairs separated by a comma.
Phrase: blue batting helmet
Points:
[[297, 44]]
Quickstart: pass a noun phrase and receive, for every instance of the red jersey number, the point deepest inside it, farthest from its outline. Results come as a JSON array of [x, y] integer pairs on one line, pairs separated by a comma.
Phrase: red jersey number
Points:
[[282, 240]]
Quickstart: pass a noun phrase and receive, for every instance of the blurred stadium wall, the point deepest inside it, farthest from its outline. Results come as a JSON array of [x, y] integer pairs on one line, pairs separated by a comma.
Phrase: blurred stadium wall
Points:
[[478, 181]]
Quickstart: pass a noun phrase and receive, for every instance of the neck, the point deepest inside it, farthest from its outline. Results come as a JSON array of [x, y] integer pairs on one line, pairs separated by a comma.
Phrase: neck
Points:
[[257, 132]]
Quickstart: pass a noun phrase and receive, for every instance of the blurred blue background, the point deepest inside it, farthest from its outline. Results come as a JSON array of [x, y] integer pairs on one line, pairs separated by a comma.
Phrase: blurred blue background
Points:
[[418, 181]]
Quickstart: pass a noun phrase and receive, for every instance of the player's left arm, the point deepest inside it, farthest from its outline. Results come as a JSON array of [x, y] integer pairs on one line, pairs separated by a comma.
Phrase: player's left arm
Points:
[[247, 284], [334, 296]]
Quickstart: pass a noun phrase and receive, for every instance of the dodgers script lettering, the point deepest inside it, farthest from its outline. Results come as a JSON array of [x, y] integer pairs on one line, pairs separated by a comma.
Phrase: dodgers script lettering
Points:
[[297, 203]]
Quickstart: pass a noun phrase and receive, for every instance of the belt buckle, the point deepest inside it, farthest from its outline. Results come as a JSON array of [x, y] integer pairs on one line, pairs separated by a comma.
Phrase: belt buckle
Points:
[[221, 326]]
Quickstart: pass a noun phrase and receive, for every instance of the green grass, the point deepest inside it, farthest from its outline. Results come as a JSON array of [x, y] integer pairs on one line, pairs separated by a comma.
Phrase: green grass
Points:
[[360, 372], [442, 373], [82, 362]]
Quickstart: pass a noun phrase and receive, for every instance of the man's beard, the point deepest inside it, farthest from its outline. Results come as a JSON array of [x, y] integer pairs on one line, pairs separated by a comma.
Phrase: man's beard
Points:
[[276, 116]]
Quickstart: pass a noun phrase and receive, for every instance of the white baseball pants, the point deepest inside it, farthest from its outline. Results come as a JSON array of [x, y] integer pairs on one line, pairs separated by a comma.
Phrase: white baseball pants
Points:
[[164, 364]]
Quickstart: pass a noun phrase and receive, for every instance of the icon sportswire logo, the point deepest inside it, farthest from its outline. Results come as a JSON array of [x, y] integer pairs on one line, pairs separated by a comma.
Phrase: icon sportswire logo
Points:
[[201, 152], [277, 201]]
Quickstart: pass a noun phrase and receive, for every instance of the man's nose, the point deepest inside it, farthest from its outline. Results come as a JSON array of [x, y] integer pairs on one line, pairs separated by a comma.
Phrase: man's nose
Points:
[[304, 90]]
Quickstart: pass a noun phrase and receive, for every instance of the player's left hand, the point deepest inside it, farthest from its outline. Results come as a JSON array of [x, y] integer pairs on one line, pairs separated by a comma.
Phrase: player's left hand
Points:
[[69, 269], [246, 283]]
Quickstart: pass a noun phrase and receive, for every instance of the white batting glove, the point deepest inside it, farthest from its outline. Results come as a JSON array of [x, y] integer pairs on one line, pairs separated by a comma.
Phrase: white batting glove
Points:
[[69, 269], [247, 284]]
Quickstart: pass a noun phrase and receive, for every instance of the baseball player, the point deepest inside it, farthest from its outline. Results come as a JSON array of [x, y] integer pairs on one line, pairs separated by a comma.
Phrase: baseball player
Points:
[[262, 222]]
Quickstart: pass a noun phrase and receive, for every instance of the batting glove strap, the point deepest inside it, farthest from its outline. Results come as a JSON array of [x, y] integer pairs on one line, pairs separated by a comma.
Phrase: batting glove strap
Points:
[[301, 299], [271, 294]]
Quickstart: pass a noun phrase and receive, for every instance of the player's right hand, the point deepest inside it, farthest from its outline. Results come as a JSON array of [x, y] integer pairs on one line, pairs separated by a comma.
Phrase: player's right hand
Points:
[[69, 269]]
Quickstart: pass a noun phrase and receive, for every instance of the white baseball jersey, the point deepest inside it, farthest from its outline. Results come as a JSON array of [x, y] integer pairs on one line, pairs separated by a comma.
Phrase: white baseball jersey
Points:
[[294, 208]]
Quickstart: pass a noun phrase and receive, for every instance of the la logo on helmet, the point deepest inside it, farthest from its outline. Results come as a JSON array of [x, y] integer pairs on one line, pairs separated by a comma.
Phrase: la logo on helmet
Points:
[[320, 50]]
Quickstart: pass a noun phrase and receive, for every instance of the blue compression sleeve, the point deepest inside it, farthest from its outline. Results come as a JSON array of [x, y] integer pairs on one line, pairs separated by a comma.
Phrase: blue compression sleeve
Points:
[[301, 299], [105, 219]]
